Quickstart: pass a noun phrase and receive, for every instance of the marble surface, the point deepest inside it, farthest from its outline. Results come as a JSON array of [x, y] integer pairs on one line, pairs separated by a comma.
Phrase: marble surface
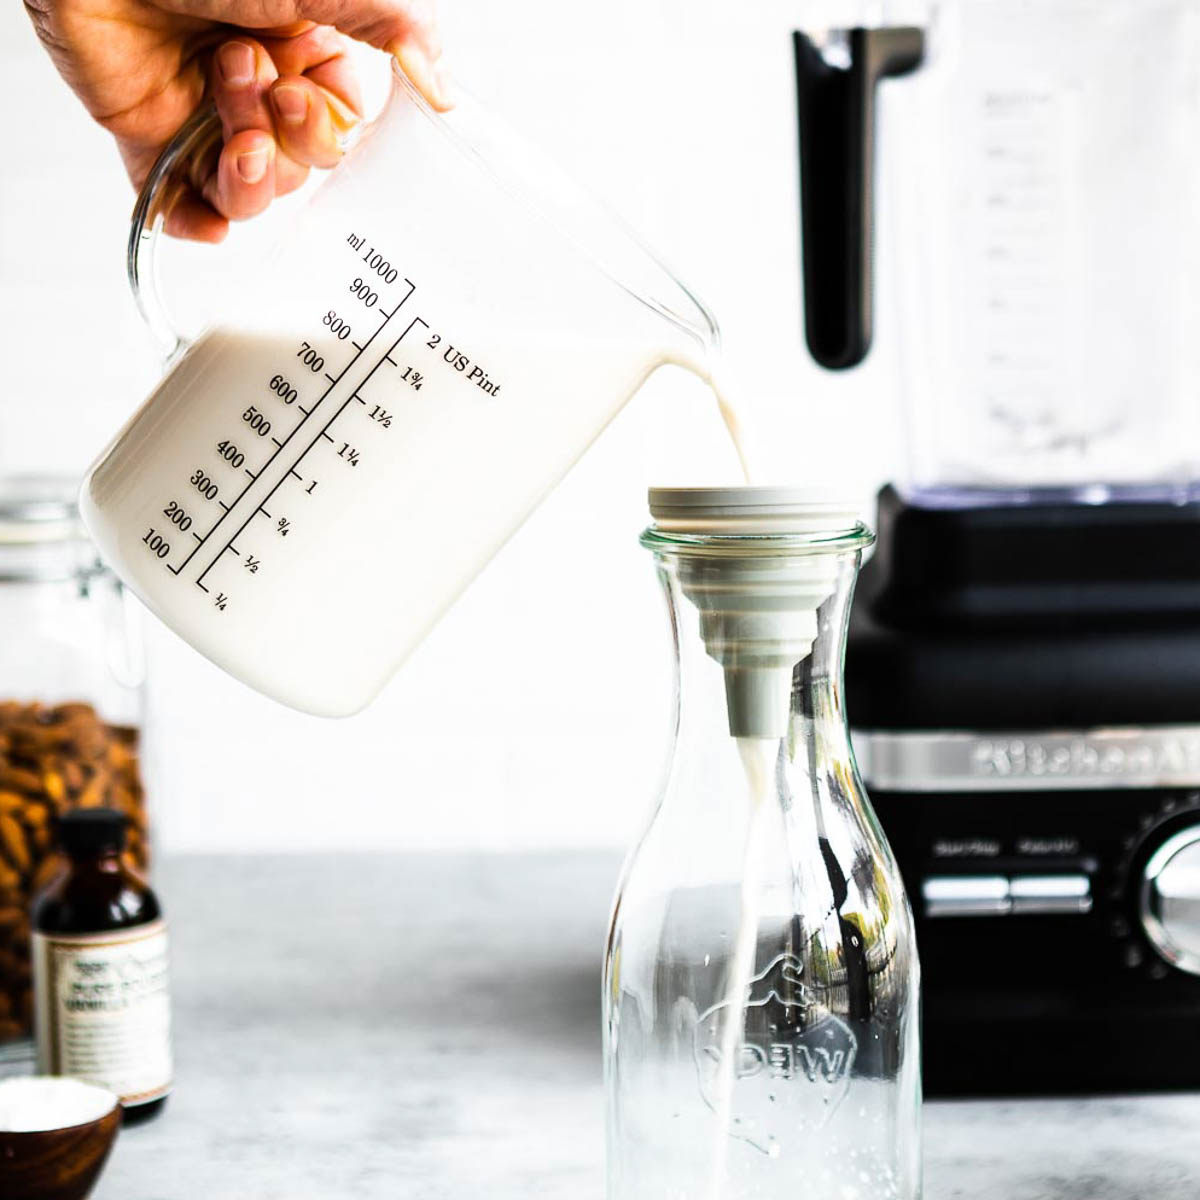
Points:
[[428, 1026]]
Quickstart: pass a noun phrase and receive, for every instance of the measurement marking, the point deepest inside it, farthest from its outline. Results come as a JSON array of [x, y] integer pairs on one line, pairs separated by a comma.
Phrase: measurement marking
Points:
[[174, 570], [264, 512], [223, 505], [250, 472], [276, 441], [390, 359], [387, 316], [197, 536], [300, 425], [202, 587], [355, 344], [326, 436], [305, 411], [235, 550], [323, 433], [359, 398]]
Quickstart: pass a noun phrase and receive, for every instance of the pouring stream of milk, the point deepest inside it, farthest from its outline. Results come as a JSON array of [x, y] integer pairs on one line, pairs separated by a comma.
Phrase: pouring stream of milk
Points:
[[757, 756], [734, 420]]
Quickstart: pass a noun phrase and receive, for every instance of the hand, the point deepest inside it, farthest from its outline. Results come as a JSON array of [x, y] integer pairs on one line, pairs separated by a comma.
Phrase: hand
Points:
[[277, 70]]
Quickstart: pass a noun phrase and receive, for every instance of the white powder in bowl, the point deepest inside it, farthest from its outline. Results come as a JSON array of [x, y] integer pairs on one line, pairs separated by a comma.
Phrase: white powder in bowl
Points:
[[36, 1102]]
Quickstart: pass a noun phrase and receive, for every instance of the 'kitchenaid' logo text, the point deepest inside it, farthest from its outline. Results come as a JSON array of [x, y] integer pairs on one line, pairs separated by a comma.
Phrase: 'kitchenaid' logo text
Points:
[[1141, 757]]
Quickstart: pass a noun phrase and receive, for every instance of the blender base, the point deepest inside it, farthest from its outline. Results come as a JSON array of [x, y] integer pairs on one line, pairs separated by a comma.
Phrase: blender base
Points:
[[1024, 686]]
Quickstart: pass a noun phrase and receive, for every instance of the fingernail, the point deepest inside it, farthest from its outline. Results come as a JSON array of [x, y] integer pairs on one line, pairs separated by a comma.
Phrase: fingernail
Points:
[[291, 103], [236, 62], [252, 164]]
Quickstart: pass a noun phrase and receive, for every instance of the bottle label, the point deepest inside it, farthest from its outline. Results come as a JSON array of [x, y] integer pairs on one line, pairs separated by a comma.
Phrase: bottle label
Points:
[[102, 1009]]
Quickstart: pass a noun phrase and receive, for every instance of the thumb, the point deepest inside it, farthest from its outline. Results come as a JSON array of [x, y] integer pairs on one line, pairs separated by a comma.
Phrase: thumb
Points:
[[406, 29]]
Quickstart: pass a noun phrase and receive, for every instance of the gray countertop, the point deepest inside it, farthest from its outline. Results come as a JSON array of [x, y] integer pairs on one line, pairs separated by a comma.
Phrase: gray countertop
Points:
[[429, 1026]]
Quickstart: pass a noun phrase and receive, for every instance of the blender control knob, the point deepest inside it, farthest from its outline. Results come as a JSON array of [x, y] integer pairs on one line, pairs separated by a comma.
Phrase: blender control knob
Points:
[[1170, 899]]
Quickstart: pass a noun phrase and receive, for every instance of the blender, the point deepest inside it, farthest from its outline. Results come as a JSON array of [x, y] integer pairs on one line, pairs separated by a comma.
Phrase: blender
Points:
[[1023, 676]]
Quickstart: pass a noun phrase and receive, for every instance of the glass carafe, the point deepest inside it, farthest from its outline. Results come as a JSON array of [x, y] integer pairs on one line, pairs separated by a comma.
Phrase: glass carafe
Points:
[[1037, 208], [761, 978], [431, 345]]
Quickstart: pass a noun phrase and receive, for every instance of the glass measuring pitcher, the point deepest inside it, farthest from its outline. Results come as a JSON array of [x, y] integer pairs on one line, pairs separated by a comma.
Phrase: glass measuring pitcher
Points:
[[1037, 203], [439, 336]]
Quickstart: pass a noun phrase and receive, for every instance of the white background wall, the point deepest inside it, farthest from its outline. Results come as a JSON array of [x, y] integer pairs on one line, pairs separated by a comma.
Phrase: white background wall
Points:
[[536, 713]]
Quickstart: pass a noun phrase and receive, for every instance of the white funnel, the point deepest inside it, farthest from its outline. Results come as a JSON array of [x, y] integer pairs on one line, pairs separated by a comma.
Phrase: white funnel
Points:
[[758, 606]]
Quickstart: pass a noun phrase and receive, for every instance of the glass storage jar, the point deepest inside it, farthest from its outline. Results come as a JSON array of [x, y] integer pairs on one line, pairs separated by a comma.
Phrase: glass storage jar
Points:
[[72, 680]]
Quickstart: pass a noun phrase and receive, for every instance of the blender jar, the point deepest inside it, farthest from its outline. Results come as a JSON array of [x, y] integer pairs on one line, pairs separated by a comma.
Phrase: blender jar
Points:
[[1038, 191], [71, 692], [761, 977]]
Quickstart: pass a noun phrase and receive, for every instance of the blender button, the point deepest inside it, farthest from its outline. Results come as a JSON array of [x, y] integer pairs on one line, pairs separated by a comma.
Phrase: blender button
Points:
[[1051, 894], [966, 896]]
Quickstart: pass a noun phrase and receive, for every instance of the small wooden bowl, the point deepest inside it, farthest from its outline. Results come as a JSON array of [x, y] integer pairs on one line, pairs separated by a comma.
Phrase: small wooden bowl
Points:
[[57, 1164]]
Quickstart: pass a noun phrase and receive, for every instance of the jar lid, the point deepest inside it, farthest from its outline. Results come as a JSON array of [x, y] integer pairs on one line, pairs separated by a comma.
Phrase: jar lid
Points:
[[39, 508], [751, 510]]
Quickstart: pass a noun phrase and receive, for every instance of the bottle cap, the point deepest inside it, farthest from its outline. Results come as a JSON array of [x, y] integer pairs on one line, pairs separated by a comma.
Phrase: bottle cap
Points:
[[87, 831]]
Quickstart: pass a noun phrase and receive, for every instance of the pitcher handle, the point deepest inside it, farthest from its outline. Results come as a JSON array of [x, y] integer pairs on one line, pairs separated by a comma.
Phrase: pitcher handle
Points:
[[178, 167]]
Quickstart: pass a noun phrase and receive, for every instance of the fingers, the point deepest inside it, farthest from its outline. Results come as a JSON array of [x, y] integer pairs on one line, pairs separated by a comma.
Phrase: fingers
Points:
[[244, 181], [405, 28], [289, 175], [287, 97], [321, 53], [243, 70], [272, 138], [194, 219], [429, 75], [303, 122]]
